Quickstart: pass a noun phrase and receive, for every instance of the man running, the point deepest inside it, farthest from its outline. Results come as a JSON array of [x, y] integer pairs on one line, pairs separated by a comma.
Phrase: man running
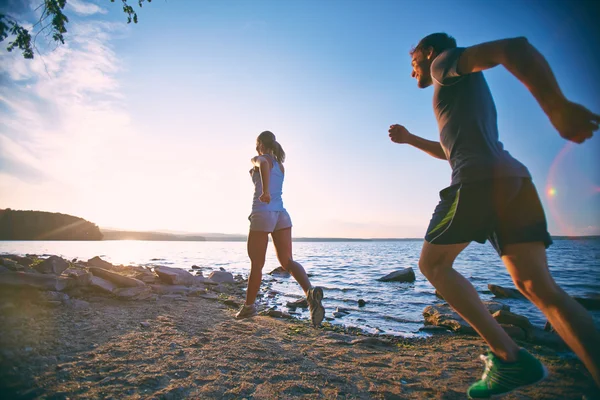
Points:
[[492, 197]]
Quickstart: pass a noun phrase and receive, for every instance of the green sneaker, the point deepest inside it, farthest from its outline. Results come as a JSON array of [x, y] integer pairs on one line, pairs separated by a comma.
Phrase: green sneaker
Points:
[[501, 377]]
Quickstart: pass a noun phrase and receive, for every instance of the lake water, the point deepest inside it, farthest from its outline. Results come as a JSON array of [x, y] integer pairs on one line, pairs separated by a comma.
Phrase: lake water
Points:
[[347, 271]]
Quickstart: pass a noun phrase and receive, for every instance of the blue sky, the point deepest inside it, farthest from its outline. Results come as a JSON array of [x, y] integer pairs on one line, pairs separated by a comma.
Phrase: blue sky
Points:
[[151, 126]]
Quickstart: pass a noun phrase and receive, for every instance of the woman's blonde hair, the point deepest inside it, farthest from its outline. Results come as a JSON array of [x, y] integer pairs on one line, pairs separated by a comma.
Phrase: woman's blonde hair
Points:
[[268, 140]]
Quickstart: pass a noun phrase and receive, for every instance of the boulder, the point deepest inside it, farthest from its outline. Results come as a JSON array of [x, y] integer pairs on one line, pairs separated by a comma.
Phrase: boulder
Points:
[[444, 315], [52, 265], [509, 318], [403, 275], [514, 331], [117, 279], [505, 293], [175, 276], [279, 271], [102, 284], [24, 261], [300, 303], [36, 281], [539, 336], [591, 302], [100, 263], [80, 277], [221, 277]]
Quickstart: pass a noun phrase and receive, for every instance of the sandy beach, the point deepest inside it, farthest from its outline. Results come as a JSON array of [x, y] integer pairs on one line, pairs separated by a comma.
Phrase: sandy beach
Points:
[[192, 347]]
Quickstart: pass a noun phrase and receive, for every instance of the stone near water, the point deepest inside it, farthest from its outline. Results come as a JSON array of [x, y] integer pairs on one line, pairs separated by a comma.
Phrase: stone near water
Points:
[[102, 284], [505, 293], [300, 303], [52, 265], [174, 276], [221, 277], [444, 315], [403, 275], [100, 263], [592, 302], [361, 303], [279, 271], [80, 276], [115, 278], [509, 318], [35, 281], [195, 267], [514, 331], [276, 314]]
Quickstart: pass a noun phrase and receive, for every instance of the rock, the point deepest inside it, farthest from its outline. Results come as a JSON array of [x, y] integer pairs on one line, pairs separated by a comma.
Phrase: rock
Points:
[[195, 267], [209, 296], [231, 303], [170, 289], [539, 336], [80, 277], [221, 277], [337, 314], [276, 314], [53, 303], [117, 279], [514, 332], [300, 303], [102, 284], [280, 272], [145, 324], [174, 276], [361, 303], [508, 318], [100, 263], [505, 293], [591, 302], [36, 281], [403, 275], [548, 327], [134, 293], [444, 315], [146, 278], [52, 265], [24, 261], [54, 296], [11, 265]]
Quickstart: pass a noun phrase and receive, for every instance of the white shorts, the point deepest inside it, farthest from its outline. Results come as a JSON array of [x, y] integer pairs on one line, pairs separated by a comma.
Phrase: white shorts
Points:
[[269, 221]]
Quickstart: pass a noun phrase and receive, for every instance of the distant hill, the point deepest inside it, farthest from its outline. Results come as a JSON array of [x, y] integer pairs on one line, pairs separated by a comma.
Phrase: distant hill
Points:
[[41, 225], [110, 234]]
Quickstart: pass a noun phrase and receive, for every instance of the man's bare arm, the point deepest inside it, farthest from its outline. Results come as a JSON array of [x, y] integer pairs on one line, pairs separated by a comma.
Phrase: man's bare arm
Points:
[[399, 134], [573, 121]]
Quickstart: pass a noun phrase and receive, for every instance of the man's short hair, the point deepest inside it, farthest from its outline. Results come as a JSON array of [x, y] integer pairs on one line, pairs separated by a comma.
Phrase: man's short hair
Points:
[[438, 41]]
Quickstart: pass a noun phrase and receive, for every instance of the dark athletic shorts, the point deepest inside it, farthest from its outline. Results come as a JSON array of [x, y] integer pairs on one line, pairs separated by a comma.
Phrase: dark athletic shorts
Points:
[[503, 211]]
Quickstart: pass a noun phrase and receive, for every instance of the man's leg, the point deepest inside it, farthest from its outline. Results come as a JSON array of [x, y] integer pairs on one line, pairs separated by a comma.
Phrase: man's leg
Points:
[[528, 267], [436, 264]]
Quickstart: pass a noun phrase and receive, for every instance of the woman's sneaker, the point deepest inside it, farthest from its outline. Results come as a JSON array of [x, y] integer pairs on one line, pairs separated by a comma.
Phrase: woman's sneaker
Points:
[[317, 312], [246, 312], [501, 377]]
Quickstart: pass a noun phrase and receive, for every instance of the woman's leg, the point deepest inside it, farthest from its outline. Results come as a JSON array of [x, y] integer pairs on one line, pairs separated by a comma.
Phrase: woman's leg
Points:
[[282, 239], [257, 249]]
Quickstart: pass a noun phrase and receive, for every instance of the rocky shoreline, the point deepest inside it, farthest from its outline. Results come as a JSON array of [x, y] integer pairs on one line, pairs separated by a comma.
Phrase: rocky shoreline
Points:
[[90, 329]]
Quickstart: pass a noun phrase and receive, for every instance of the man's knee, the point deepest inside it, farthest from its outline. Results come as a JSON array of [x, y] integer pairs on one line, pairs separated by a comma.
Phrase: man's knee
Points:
[[431, 269]]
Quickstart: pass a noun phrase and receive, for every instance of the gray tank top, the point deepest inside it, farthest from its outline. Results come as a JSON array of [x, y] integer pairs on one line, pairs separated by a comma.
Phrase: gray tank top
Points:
[[275, 188]]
